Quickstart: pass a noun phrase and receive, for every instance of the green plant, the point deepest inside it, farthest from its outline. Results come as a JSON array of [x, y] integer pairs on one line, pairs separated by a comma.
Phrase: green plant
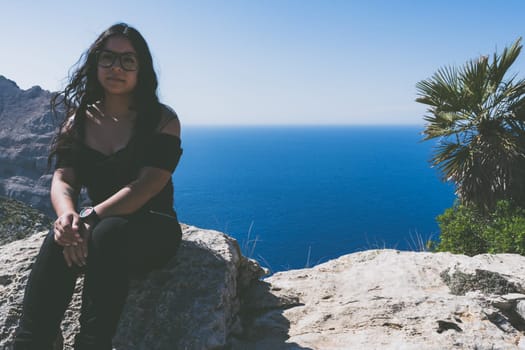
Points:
[[506, 231], [417, 243], [466, 230], [461, 230], [18, 220], [477, 113]]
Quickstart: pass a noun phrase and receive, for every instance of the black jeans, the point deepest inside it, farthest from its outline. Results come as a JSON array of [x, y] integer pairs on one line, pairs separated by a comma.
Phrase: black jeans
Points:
[[118, 247]]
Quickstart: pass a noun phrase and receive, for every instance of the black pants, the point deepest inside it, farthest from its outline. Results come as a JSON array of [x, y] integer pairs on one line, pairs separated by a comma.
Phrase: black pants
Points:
[[118, 246]]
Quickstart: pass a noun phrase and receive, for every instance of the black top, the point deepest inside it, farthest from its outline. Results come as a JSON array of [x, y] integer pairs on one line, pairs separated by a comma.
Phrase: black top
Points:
[[103, 175]]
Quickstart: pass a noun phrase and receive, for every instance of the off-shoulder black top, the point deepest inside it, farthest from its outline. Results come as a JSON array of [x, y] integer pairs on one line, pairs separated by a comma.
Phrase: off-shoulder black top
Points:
[[103, 175]]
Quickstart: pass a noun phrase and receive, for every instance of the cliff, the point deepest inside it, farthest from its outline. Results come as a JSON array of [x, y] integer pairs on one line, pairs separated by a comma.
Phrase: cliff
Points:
[[211, 297], [25, 136]]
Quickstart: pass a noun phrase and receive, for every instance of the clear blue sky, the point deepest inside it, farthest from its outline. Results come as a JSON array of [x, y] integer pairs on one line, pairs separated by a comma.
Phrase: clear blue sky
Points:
[[269, 61]]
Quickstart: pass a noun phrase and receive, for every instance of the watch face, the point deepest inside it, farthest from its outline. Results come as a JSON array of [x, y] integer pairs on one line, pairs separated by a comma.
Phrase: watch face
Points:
[[85, 212]]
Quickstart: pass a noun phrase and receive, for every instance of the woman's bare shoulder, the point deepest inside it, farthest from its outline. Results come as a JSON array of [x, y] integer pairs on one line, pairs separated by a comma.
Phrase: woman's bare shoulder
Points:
[[169, 121], [68, 124]]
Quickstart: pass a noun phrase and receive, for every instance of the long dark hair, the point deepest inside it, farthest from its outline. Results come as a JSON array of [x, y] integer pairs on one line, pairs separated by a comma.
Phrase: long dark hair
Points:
[[84, 89]]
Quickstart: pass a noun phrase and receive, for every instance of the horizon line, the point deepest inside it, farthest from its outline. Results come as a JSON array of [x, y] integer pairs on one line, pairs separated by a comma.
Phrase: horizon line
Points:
[[219, 125]]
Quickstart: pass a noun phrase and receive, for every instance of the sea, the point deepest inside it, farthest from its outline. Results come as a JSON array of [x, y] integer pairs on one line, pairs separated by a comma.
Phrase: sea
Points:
[[297, 196]]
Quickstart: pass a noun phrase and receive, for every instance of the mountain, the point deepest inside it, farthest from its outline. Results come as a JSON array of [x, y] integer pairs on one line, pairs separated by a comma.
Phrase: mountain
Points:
[[25, 136]]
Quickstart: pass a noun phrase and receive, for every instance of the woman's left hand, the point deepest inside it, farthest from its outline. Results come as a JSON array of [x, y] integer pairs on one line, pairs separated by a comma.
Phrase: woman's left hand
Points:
[[78, 254]]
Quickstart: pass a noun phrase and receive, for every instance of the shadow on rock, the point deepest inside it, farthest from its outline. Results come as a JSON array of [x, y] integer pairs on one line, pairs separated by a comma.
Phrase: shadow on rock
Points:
[[264, 325]]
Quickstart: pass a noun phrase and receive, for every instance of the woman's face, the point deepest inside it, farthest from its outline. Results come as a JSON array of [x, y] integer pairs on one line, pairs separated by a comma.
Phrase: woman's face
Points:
[[117, 66]]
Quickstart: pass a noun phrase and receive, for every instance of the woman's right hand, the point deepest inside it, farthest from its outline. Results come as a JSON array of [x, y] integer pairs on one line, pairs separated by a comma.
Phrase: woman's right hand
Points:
[[77, 255], [67, 229]]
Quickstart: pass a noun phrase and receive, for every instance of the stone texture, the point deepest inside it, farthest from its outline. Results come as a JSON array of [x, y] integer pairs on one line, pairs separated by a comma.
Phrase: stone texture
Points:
[[193, 303], [17, 220], [210, 297], [25, 136], [387, 299]]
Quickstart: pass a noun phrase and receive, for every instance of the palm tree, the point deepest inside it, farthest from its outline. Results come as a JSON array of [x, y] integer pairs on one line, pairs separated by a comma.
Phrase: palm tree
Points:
[[477, 113]]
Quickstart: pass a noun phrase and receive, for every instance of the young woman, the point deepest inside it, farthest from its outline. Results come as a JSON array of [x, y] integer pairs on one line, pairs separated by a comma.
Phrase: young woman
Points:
[[121, 144]]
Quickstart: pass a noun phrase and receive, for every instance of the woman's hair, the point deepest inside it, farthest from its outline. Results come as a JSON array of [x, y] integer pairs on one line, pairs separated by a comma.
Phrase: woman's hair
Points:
[[84, 89]]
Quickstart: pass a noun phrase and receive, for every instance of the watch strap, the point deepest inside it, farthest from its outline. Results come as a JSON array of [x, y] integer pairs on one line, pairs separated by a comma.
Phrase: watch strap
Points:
[[88, 214]]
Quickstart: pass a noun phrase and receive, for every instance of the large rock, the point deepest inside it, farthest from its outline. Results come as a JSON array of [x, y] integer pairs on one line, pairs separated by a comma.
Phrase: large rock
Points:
[[25, 136], [387, 299], [193, 303], [210, 297]]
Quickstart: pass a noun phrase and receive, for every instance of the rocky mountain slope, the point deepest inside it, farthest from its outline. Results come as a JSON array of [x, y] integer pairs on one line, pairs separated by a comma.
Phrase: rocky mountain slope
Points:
[[17, 220], [25, 135]]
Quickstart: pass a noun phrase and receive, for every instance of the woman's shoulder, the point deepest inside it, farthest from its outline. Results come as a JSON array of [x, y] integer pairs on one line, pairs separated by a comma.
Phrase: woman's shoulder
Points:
[[67, 125], [169, 121]]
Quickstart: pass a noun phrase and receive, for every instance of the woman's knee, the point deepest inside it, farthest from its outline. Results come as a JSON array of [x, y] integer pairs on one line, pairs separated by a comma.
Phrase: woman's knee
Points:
[[108, 233], [50, 252]]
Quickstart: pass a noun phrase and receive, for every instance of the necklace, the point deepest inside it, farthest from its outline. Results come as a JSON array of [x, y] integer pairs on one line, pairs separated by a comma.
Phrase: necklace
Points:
[[98, 109], [113, 118]]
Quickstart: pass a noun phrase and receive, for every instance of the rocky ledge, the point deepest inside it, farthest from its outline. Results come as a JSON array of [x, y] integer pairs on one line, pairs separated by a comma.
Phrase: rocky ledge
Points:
[[193, 303], [211, 297], [388, 299]]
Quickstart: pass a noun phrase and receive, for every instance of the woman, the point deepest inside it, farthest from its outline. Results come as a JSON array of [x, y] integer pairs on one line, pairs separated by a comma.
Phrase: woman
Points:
[[121, 144]]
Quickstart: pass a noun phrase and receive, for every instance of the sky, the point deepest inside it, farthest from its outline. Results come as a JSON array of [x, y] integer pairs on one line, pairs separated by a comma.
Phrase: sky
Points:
[[269, 62]]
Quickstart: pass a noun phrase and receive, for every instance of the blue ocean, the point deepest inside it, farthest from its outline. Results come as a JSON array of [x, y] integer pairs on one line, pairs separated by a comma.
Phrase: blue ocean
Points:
[[297, 196]]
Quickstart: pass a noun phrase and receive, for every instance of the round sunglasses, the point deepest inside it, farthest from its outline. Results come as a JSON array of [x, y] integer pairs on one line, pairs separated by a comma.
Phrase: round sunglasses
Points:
[[128, 60]]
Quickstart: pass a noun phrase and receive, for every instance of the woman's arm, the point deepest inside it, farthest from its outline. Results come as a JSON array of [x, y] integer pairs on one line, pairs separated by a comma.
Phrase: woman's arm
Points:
[[64, 195], [133, 196], [149, 183]]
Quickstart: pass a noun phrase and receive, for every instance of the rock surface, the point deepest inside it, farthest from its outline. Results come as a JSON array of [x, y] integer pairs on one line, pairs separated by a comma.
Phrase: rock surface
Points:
[[17, 220], [193, 303], [210, 297], [387, 299], [26, 133]]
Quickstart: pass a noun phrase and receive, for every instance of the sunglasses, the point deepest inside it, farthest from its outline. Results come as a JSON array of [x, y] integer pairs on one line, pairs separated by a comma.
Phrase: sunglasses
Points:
[[128, 60]]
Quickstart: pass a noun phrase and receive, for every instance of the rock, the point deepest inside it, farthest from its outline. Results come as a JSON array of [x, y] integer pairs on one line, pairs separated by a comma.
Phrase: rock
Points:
[[520, 308], [193, 303], [17, 220], [387, 299], [211, 297], [25, 137]]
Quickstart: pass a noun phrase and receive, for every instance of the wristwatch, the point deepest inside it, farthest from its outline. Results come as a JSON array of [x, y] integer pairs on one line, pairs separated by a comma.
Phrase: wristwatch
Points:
[[88, 214]]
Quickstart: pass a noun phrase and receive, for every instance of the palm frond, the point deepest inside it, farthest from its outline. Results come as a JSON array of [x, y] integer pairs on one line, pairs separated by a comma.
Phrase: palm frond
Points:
[[445, 124], [474, 86], [441, 90], [501, 63], [477, 113]]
